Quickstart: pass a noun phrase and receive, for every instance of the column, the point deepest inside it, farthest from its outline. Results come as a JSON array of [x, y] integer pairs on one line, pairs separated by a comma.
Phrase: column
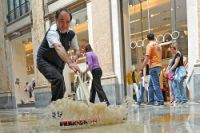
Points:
[[6, 88], [193, 14], [38, 33], [100, 31], [126, 29], [42, 91], [117, 48], [100, 23]]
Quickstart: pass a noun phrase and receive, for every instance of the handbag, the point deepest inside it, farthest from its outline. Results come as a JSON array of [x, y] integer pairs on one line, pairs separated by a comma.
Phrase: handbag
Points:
[[170, 75], [180, 73]]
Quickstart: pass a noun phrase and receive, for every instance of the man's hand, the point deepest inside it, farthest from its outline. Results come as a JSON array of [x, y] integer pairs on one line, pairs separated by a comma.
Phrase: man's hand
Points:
[[74, 67]]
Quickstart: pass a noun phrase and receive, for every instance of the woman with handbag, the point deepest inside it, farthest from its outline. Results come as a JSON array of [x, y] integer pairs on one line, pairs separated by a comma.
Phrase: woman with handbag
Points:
[[177, 67]]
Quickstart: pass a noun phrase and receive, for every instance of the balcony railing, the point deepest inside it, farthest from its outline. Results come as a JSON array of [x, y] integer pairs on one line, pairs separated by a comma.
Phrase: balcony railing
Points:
[[18, 11]]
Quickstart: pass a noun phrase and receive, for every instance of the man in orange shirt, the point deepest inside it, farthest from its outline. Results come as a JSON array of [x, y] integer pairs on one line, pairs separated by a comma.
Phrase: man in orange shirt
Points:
[[154, 57]]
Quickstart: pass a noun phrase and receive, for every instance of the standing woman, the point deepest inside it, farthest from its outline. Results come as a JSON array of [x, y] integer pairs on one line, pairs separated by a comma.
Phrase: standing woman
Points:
[[94, 67], [177, 67]]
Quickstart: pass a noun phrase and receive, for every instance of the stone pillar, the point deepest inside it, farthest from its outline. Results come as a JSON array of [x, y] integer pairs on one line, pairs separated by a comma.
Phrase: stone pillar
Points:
[[4, 84], [42, 91], [198, 50], [193, 14], [126, 34], [90, 28], [102, 34], [37, 36], [6, 96], [117, 49]]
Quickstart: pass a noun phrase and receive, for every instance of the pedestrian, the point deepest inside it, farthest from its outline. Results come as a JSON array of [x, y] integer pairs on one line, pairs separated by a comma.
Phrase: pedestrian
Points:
[[154, 57], [52, 53], [135, 80], [94, 67], [130, 84], [177, 67], [144, 83]]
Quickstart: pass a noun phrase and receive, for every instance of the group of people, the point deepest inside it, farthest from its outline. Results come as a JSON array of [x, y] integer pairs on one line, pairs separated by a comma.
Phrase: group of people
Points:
[[52, 57], [151, 75], [24, 95], [29, 88]]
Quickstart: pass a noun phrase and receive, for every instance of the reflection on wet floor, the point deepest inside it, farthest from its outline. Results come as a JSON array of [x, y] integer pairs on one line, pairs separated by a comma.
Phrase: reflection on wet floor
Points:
[[144, 119]]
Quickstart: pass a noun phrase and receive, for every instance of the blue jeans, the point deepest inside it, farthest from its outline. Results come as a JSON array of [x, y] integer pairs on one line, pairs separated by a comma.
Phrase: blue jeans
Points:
[[154, 86], [179, 91], [141, 94]]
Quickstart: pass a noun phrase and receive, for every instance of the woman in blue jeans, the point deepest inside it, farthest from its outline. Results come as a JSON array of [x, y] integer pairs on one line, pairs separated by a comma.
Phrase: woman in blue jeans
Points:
[[94, 67], [176, 67]]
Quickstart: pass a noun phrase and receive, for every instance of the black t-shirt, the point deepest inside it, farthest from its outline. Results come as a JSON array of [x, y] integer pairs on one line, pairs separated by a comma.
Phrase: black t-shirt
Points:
[[178, 54]]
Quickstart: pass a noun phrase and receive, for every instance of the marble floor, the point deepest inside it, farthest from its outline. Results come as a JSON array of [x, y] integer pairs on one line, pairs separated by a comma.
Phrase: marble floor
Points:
[[144, 119]]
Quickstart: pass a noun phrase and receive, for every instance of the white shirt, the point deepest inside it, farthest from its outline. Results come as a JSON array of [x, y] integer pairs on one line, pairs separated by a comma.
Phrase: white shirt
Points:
[[53, 38]]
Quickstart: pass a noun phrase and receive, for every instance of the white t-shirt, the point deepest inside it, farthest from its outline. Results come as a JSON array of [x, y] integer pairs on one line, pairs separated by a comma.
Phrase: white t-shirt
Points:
[[53, 38]]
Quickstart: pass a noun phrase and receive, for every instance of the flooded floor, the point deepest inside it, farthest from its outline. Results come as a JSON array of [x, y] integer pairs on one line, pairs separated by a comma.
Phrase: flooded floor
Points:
[[144, 119]]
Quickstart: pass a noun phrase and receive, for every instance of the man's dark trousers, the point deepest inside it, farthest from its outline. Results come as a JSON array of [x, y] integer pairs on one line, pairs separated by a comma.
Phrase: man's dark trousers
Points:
[[54, 75]]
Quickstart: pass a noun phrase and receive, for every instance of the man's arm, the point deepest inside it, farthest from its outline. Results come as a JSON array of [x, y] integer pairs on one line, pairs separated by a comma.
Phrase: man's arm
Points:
[[144, 74], [63, 55], [146, 59], [60, 50], [54, 42]]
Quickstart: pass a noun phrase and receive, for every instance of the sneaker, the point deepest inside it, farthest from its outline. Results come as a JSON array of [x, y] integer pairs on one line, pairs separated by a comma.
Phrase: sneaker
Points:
[[150, 103], [156, 104], [176, 103], [182, 102], [162, 103]]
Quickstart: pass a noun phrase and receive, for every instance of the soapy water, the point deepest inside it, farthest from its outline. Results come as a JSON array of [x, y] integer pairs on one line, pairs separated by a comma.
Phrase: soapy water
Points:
[[66, 109]]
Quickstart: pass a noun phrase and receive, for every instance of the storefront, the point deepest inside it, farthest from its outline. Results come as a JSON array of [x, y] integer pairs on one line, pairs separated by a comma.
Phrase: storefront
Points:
[[167, 19]]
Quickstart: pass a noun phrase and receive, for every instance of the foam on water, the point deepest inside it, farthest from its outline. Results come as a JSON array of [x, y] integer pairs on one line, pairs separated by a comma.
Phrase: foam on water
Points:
[[78, 110]]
